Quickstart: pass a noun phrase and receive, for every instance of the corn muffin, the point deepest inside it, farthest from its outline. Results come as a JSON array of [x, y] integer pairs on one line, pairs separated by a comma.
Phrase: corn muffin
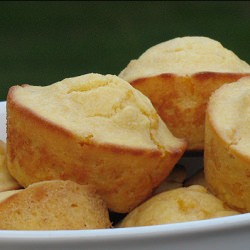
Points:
[[227, 142], [53, 205], [177, 205], [178, 76], [6, 180], [94, 129]]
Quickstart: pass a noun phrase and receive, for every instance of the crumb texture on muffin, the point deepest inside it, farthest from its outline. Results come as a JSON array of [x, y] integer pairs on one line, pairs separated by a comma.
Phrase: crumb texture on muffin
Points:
[[100, 108]]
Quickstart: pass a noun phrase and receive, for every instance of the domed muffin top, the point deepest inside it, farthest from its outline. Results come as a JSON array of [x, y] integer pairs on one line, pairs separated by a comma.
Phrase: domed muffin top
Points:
[[184, 56], [99, 108]]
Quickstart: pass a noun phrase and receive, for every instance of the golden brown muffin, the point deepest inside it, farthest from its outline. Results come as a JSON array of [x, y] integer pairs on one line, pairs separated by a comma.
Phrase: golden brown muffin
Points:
[[53, 205], [6, 180], [177, 205], [227, 142], [178, 76], [90, 129]]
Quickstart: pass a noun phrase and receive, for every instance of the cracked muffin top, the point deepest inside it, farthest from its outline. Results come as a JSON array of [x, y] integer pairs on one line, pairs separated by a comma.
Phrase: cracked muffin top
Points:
[[98, 108]]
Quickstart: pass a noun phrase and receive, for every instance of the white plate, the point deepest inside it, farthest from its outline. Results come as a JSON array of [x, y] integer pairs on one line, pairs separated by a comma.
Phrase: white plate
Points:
[[227, 233]]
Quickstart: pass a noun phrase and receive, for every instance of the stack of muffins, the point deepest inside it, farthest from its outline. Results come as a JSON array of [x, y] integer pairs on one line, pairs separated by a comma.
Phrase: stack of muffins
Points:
[[110, 144]]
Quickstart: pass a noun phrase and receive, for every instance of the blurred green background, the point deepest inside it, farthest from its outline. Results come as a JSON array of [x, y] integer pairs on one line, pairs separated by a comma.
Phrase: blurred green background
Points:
[[46, 41]]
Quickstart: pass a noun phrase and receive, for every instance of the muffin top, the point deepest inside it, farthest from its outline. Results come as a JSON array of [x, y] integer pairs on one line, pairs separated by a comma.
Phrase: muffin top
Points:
[[177, 205], [184, 56], [53, 205], [229, 114], [98, 108]]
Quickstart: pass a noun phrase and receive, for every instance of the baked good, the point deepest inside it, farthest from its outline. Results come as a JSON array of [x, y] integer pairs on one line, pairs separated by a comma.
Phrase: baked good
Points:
[[177, 205], [94, 129], [53, 205], [6, 180], [227, 142], [178, 76]]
